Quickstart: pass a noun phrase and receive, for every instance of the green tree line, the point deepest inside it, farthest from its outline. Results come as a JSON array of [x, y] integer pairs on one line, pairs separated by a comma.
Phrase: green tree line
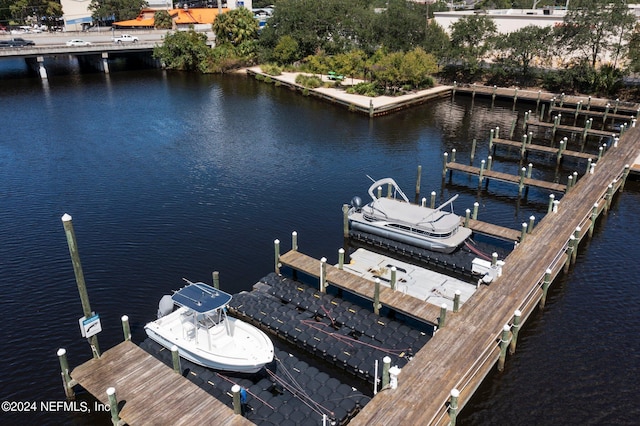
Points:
[[384, 42]]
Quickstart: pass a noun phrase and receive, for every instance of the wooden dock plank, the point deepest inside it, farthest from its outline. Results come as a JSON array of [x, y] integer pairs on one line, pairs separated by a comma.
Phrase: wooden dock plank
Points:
[[466, 348], [543, 149], [572, 129], [546, 97], [152, 392], [492, 230], [506, 177], [629, 116]]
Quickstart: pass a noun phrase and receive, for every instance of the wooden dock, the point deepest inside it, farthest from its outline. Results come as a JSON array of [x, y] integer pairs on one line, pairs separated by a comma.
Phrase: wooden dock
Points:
[[571, 129], [492, 230], [515, 94], [505, 177], [462, 353], [529, 147], [400, 302], [589, 113], [152, 392]]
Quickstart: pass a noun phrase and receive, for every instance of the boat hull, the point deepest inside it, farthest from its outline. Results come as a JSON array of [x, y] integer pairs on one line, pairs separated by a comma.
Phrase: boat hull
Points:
[[447, 245], [247, 351]]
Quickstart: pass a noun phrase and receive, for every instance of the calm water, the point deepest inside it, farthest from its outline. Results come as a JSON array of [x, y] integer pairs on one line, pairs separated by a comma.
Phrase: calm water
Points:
[[172, 175]]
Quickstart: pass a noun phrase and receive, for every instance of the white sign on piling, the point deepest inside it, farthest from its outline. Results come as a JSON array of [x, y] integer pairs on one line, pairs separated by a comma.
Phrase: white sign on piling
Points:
[[90, 326]]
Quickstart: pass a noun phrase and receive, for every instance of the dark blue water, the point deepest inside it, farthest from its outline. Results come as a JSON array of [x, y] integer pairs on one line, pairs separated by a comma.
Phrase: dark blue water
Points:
[[175, 175]]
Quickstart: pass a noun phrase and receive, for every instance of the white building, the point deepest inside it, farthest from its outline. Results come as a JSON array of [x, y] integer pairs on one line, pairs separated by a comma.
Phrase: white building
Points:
[[509, 20]]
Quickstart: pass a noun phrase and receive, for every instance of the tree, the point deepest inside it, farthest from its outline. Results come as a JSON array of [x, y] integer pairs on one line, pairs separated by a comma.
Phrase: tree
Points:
[[634, 50], [401, 26], [162, 20], [286, 50], [183, 50], [417, 66], [333, 26], [31, 11], [592, 28], [235, 27], [519, 48], [471, 38], [116, 10]]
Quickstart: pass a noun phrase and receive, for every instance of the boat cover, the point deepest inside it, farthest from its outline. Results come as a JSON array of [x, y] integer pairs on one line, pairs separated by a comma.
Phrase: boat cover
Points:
[[201, 297]]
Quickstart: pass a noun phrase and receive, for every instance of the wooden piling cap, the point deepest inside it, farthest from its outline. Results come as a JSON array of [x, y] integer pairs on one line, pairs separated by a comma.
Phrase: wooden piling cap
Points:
[[66, 217], [62, 352]]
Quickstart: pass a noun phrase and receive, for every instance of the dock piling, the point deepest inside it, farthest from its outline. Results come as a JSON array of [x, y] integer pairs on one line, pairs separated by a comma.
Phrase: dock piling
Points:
[[594, 217], [341, 258], [453, 155], [453, 406], [491, 136], [545, 287], [532, 220], [521, 184], [524, 231], [551, 199], [418, 177], [323, 275], [608, 198], [113, 406], [570, 249], [473, 149], [392, 283], [216, 279], [625, 174], [444, 165], [489, 162], [376, 297], [67, 382], [514, 331], [456, 301], [466, 217], [576, 235], [433, 200], [276, 248], [480, 175], [443, 316], [126, 330], [294, 241], [504, 343], [386, 365], [475, 210], [345, 220], [175, 358], [237, 406], [77, 269]]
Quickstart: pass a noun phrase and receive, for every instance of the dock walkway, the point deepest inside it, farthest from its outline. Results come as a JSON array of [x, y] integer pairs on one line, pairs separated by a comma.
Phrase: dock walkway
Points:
[[461, 354], [506, 177], [546, 97], [151, 391], [571, 129], [528, 147]]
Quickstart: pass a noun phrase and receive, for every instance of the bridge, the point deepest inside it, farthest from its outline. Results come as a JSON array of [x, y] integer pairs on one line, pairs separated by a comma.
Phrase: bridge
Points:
[[96, 54]]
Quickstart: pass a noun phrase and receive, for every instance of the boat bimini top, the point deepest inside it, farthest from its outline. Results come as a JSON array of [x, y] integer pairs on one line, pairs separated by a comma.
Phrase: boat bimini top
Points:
[[201, 297]]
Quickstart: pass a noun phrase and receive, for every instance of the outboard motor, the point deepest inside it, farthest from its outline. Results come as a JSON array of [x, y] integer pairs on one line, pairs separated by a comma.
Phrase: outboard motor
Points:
[[356, 203], [165, 306]]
